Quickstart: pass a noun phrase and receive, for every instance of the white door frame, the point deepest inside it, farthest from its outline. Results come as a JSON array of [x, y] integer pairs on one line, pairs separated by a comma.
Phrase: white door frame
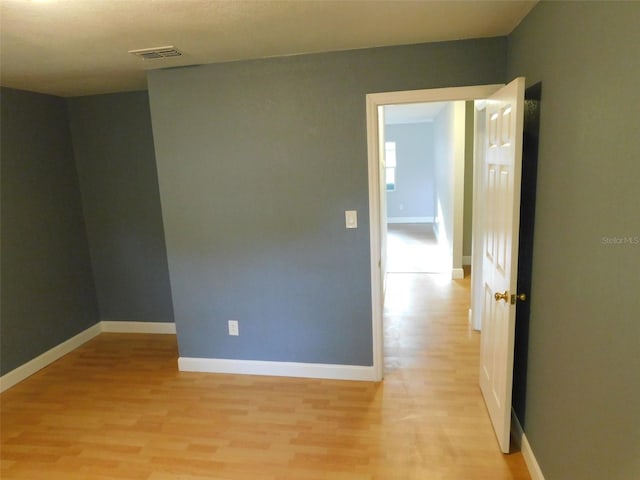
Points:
[[479, 142], [375, 100]]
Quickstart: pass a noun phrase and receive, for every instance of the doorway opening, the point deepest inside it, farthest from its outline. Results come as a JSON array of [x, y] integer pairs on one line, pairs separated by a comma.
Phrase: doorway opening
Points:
[[427, 218], [453, 193], [499, 176]]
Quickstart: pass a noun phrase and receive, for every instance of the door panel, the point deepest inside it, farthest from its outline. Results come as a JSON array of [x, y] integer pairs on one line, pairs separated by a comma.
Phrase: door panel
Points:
[[503, 166]]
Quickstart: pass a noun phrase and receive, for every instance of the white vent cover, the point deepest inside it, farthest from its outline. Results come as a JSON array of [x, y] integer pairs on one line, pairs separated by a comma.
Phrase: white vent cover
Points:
[[156, 52]]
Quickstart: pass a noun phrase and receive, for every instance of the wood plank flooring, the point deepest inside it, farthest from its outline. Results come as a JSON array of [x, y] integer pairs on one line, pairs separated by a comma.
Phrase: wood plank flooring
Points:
[[413, 248], [117, 408]]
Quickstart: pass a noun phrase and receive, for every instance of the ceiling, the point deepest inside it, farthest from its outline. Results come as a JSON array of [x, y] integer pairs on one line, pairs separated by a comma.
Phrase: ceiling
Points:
[[79, 47]]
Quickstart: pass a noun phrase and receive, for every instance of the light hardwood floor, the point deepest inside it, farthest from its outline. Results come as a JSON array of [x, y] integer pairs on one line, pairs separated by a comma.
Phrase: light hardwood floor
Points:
[[413, 248], [117, 408]]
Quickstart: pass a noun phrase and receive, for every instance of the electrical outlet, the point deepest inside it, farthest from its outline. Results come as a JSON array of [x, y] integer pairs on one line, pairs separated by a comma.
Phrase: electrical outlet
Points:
[[233, 328]]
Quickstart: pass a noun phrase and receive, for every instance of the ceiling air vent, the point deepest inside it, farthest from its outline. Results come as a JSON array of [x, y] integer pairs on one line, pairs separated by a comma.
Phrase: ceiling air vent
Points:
[[156, 52]]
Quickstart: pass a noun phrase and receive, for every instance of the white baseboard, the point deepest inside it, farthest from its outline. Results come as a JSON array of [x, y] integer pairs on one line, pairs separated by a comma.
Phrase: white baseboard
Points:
[[212, 365], [277, 369], [466, 260], [16, 375], [25, 370], [438, 234], [457, 273], [108, 326], [410, 220], [521, 440]]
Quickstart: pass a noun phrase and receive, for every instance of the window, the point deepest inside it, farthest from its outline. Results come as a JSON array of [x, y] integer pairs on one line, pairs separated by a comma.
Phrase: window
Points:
[[390, 165]]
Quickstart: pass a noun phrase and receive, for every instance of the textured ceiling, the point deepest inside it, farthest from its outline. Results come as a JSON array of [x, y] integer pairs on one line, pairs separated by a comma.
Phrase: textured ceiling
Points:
[[79, 47]]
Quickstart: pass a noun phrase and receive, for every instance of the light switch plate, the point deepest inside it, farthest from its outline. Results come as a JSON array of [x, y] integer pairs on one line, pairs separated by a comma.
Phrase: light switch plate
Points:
[[233, 328], [351, 218]]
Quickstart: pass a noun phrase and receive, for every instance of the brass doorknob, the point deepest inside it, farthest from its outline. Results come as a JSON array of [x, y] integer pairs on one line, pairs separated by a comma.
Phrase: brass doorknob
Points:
[[521, 296], [501, 296]]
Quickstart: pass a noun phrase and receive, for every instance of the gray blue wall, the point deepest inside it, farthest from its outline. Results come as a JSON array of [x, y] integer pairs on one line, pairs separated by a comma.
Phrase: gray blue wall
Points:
[[47, 288], [115, 158], [414, 194], [257, 162], [583, 391]]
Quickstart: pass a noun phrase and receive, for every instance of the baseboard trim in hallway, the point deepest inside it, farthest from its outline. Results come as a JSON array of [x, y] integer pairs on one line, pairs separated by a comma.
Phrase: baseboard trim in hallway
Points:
[[457, 273]]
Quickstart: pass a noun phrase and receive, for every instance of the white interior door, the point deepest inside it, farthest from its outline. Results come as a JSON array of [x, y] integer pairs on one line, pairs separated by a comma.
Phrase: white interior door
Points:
[[501, 192]]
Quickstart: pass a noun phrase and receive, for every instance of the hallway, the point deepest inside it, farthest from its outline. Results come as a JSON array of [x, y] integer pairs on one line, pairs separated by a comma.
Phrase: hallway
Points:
[[432, 356], [413, 248]]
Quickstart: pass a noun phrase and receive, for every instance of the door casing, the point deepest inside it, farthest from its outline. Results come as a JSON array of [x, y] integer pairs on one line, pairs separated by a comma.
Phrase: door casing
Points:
[[373, 102]]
